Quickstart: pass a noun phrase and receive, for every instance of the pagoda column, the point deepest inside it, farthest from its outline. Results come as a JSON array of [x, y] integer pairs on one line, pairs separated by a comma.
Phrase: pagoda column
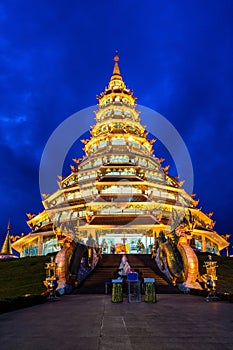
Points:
[[40, 244], [203, 243]]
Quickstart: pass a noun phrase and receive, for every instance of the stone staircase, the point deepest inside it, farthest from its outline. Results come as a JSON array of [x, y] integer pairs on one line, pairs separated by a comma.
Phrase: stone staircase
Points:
[[107, 269], [147, 268]]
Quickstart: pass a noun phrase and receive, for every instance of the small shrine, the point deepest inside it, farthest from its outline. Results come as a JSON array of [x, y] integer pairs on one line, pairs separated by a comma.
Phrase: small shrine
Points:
[[6, 251]]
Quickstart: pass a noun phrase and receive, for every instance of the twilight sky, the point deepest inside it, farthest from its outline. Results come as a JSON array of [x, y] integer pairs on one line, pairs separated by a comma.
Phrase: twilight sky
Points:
[[56, 56]]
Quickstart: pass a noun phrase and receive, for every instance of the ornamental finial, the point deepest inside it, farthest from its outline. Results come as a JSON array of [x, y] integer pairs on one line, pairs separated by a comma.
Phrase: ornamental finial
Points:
[[9, 225], [116, 74], [116, 57]]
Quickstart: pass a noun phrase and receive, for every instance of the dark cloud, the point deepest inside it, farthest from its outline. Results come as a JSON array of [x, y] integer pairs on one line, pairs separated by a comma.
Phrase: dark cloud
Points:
[[56, 56]]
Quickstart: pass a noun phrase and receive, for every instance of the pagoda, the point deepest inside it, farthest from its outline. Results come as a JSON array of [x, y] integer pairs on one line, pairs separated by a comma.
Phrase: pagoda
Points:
[[6, 251], [118, 193]]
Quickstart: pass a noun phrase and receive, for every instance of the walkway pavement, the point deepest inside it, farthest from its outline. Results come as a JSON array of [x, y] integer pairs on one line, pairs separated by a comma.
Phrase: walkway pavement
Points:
[[91, 322]]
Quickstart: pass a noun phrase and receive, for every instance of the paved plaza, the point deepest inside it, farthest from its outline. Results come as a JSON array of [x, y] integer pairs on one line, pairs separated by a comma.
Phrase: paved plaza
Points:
[[91, 322]]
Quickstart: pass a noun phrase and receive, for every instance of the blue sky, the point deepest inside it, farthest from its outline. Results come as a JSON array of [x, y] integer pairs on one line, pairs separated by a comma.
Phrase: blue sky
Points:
[[56, 56]]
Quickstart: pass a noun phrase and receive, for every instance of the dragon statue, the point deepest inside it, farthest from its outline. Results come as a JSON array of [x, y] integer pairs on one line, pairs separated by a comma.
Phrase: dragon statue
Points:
[[174, 256], [74, 261]]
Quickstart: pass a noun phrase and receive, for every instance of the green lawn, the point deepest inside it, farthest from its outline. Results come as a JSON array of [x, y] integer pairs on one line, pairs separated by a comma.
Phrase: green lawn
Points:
[[22, 276]]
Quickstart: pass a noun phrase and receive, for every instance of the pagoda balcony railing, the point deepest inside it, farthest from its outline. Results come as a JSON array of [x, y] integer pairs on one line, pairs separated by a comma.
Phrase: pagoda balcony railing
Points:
[[117, 103], [136, 150], [130, 163], [119, 173], [120, 148], [101, 150], [129, 193], [124, 212]]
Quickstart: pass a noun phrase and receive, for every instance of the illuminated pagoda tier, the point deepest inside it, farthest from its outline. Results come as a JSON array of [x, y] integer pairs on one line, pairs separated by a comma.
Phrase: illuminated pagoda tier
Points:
[[118, 192]]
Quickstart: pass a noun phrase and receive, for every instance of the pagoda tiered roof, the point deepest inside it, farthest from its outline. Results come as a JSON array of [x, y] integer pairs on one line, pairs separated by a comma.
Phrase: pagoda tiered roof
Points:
[[119, 183]]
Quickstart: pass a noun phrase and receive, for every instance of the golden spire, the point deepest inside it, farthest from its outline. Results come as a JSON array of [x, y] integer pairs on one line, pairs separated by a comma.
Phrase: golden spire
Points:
[[116, 88], [116, 74], [116, 80], [6, 248]]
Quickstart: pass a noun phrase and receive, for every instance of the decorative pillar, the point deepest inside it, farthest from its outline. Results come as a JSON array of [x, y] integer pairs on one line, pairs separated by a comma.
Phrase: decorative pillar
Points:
[[40, 245], [203, 243], [21, 252]]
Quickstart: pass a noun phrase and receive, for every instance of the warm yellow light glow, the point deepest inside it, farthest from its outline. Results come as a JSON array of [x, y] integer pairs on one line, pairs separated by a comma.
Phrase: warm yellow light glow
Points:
[[119, 175]]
